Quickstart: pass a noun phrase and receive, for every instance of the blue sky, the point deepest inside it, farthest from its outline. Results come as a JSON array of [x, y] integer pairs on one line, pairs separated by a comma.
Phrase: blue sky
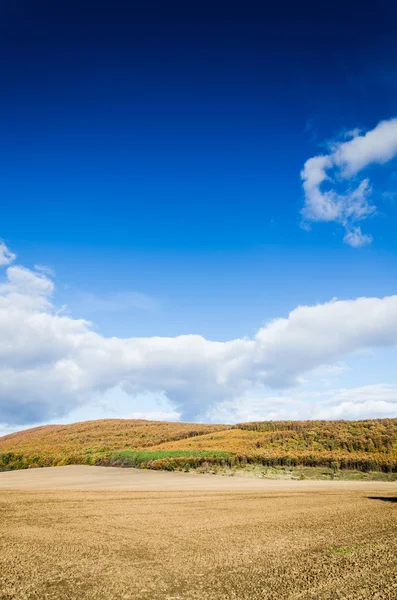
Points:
[[151, 155]]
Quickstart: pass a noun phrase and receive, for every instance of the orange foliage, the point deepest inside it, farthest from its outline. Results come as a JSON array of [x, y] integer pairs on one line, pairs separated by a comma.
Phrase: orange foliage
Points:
[[100, 436], [364, 445]]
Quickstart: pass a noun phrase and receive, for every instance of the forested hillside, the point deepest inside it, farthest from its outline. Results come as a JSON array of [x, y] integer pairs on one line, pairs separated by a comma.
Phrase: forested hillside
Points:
[[369, 445]]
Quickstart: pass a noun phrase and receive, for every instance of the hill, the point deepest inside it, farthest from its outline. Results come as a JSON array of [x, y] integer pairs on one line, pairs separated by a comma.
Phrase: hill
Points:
[[369, 445], [66, 444]]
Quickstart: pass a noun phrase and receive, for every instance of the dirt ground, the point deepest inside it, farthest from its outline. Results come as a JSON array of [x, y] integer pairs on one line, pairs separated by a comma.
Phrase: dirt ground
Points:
[[81, 477], [189, 540]]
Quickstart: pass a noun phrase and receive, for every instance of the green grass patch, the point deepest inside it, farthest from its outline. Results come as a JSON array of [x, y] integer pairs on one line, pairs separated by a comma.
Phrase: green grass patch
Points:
[[347, 550], [164, 459], [344, 549]]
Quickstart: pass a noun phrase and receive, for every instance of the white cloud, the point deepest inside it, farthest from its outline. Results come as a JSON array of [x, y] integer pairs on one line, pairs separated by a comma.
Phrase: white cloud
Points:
[[380, 392], [356, 238], [371, 409], [376, 146], [371, 401], [6, 257], [315, 335], [310, 402], [45, 270], [157, 415], [26, 289], [52, 363], [345, 160]]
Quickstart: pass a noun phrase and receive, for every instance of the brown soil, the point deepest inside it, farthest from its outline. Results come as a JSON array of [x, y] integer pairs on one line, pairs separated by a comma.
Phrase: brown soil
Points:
[[281, 539]]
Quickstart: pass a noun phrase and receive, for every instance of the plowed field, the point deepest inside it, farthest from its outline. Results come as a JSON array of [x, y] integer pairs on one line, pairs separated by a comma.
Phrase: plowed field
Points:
[[289, 540]]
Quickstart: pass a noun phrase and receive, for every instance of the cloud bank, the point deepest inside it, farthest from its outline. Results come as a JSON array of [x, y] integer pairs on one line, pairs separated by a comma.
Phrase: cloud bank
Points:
[[52, 363], [312, 402], [322, 174]]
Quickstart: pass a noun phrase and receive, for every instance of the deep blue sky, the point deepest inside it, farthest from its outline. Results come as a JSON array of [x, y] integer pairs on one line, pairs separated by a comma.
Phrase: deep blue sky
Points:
[[156, 148], [151, 155]]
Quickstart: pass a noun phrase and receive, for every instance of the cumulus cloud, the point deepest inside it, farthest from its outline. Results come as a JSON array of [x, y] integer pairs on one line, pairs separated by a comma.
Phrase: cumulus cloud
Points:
[[51, 363], [322, 174]]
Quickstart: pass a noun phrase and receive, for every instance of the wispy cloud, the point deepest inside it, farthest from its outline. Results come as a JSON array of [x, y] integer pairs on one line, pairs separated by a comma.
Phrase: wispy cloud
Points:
[[45, 269], [6, 256], [114, 302]]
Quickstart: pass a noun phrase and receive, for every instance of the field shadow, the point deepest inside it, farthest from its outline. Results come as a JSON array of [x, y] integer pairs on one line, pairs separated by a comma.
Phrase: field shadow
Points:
[[383, 498]]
